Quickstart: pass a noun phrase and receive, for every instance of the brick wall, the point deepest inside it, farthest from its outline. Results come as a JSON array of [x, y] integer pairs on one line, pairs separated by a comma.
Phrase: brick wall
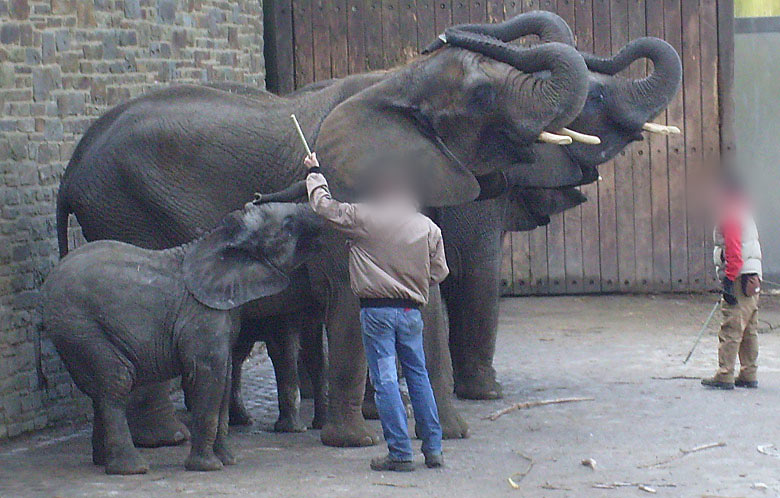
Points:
[[62, 64]]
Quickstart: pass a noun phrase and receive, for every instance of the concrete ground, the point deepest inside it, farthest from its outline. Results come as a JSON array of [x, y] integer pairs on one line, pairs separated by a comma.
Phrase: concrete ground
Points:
[[626, 352]]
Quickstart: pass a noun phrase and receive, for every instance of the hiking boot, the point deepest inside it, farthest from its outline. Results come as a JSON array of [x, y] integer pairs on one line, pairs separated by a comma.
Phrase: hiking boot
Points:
[[711, 382], [750, 384], [434, 460], [386, 463]]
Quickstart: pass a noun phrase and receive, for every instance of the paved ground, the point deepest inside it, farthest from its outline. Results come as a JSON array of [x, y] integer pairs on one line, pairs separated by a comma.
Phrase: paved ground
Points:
[[626, 352]]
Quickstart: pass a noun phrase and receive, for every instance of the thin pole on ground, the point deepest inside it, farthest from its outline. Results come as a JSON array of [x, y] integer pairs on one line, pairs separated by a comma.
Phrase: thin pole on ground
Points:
[[701, 332]]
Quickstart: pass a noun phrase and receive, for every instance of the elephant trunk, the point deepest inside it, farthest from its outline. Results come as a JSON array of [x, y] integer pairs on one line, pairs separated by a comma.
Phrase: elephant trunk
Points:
[[292, 193], [565, 90], [549, 27], [644, 98]]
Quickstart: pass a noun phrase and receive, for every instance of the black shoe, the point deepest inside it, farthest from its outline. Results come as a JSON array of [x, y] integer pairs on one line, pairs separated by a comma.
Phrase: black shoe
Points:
[[385, 463], [711, 382], [434, 460], [750, 384]]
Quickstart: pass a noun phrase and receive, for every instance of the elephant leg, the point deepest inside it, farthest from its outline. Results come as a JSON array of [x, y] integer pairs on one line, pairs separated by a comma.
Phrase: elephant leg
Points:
[[103, 374], [304, 379], [238, 414], [347, 374], [472, 304], [283, 350], [437, 360], [205, 379], [98, 435], [152, 419], [221, 448], [121, 457], [313, 360]]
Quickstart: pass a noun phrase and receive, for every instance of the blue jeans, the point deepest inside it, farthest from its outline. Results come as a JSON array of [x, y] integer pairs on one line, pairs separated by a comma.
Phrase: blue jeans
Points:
[[388, 332]]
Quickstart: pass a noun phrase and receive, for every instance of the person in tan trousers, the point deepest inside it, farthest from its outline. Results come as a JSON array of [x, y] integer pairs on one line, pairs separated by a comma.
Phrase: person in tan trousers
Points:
[[737, 258]]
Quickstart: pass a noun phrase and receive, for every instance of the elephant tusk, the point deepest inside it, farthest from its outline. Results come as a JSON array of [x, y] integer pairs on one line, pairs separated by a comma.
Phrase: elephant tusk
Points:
[[662, 129], [443, 38], [552, 138], [580, 137]]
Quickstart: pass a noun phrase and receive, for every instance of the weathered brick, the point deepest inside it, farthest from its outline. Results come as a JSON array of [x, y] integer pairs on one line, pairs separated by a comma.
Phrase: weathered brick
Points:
[[9, 33], [45, 79], [132, 9], [65, 63]]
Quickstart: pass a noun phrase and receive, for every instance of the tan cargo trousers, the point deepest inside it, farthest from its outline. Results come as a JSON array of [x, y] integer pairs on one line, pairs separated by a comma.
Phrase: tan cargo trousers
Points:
[[738, 336]]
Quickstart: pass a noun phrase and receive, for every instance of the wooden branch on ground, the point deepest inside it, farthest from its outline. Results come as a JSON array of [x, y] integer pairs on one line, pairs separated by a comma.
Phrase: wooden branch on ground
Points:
[[684, 453], [532, 404], [514, 479]]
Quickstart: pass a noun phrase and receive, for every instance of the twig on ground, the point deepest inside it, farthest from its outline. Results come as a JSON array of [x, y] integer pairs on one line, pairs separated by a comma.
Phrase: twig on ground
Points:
[[554, 487], [768, 450], [677, 377], [515, 479], [650, 488], [393, 485], [532, 404], [683, 453]]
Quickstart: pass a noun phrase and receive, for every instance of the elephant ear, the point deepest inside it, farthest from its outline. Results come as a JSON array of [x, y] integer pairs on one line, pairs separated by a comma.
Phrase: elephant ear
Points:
[[222, 273], [531, 208], [365, 135]]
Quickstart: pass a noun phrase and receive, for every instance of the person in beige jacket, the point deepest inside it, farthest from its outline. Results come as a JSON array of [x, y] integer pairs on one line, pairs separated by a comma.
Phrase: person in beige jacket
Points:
[[395, 254]]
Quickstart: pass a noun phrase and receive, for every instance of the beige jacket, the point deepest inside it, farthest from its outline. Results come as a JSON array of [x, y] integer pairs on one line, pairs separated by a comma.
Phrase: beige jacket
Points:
[[394, 251]]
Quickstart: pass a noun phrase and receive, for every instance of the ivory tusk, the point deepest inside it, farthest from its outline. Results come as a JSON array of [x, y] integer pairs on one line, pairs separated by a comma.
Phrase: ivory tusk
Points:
[[552, 138], [662, 129], [580, 137]]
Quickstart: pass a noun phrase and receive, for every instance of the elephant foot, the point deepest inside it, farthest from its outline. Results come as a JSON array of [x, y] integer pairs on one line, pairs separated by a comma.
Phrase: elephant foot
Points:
[[203, 463], [349, 432], [318, 422], [154, 434], [99, 457], [478, 388], [224, 454], [452, 425], [127, 463], [238, 415], [152, 430], [289, 424]]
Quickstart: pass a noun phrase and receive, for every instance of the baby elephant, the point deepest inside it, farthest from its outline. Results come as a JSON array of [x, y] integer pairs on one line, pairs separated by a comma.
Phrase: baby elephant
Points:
[[121, 316]]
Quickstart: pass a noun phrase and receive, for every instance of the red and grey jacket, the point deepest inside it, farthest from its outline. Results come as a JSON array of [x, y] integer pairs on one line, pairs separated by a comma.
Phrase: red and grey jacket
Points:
[[737, 250]]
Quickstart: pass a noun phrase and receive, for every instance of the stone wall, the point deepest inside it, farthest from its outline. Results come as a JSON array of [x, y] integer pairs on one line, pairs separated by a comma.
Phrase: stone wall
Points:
[[62, 64]]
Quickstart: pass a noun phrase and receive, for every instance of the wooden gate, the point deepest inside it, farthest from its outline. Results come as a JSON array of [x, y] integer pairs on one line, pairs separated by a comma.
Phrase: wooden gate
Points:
[[636, 233]]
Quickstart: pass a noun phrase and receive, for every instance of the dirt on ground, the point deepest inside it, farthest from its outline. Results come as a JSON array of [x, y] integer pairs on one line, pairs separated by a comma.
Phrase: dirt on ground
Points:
[[650, 428]]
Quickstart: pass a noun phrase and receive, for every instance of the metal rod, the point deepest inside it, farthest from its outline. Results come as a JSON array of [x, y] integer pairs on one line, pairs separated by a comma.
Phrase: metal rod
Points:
[[701, 332], [300, 134]]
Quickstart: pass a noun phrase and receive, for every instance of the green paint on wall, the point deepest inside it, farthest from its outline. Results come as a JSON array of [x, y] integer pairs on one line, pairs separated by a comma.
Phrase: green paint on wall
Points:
[[756, 8]]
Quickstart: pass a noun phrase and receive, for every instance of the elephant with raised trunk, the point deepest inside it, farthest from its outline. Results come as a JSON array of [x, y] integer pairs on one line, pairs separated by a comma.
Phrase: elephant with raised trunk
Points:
[[162, 168], [616, 111]]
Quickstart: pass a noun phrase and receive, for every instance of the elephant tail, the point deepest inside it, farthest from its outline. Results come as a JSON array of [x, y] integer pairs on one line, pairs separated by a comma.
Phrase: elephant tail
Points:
[[63, 211]]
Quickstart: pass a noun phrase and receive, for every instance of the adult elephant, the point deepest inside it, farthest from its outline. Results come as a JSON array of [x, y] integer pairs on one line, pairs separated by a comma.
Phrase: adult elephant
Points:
[[617, 110], [162, 168]]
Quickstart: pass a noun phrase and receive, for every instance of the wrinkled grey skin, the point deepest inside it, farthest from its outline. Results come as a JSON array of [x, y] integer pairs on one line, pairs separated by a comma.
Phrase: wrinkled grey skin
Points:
[[615, 110], [286, 336], [159, 169], [122, 317]]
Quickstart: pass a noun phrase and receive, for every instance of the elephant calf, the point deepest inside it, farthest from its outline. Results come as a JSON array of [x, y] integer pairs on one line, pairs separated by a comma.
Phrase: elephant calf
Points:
[[122, 317]]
